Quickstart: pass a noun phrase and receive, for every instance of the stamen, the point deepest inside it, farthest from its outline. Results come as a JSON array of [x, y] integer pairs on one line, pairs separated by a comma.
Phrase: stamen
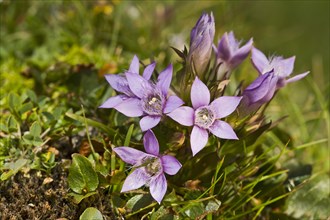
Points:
[[204, 117], [153, 103], [152, 165]]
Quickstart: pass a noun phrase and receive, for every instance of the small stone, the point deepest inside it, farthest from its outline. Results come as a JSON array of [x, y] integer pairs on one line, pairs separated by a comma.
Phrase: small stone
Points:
[[47, 180]]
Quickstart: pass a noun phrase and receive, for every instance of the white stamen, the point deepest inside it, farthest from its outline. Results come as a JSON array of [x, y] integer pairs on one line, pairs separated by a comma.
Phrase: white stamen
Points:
[[204, 117], [152, 101]]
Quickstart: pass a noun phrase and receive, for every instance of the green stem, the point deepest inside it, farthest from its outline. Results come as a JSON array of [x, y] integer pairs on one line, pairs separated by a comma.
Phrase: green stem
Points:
[[88, 137]]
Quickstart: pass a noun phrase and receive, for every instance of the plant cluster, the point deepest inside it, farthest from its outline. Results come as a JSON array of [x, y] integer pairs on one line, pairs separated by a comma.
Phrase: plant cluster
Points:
[[181, 143], [165, 107]]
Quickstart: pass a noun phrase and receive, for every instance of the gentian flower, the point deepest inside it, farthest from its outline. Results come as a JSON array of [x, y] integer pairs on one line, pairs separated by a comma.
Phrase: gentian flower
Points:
[[149, 167], [120, 84], [259, 92], [229, 54], [142, 97], [201, 40], [204, 116], [282, 67]]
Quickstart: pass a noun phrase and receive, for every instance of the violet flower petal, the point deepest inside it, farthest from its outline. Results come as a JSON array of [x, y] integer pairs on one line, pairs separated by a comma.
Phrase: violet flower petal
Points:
[[225, 105], [138, 84], [165, 78], [297, 77], [150, 143], [223, 130], [130, 107], [112, 101], [170, 164], [241, 54], [224, 48], [148, 71], [263, 86], [200, 94], [260, 80], [148, 122], [198, 139], [129, 155], [172, 103], [158, 187], [233, 43], [183, 115], [135, 180], [119, 83], [259, 60], [285, 67], [134, 67]]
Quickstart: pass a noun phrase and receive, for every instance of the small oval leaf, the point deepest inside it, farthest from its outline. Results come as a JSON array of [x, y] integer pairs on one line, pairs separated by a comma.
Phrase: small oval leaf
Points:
[[14, 101], [91, 213], [35, 129], [82, 176]]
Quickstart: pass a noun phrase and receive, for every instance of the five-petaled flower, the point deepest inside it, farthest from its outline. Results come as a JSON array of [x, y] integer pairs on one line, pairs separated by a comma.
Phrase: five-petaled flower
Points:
[[229, 54], [149, 167], [201, 40], [282, 67], [204, 116], [140, 96]]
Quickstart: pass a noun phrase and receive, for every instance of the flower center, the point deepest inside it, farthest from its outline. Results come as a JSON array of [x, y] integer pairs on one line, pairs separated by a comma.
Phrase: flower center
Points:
[[152, 165], [204, 117], [153, 103]]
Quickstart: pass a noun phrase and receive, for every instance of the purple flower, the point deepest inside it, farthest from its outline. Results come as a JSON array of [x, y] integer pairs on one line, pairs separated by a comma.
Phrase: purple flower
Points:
[[120, 84], [259, 92], [282, 67], [140, 96], [149, 167], [229, 54], [204, 116], [201, 40]]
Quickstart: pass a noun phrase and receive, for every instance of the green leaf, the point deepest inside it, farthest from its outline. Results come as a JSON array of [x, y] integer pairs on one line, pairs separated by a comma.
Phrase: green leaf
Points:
[[35, 129], [32, 140], [129, 135], [77, 198], [171, 197], [139, 201], [58, 112], [13, 167], [312, 201], [91, 213], [12, 124], [194, 210], [33, 137], [162, 214], [212, 205], [14, 101], [3, 127], [25, 107], [49, 116], [82, 176], [32, 95]]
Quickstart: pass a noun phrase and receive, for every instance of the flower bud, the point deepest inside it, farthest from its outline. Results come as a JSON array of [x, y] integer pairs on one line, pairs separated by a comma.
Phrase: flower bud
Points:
[[229, 55], [259, 92], [201, 40]]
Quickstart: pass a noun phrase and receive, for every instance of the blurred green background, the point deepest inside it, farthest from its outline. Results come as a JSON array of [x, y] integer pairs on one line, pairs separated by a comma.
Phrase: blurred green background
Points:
[[40, 34]]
